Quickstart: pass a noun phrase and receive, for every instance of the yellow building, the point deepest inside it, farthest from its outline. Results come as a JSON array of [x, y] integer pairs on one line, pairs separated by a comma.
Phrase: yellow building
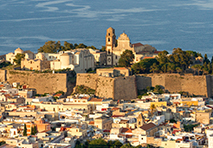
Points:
[[158, 104], [189, 103]]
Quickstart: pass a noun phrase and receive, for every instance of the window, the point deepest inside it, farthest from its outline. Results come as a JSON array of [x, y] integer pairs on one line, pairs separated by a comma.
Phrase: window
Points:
[[116, 57], [109, 34], [108, 39]]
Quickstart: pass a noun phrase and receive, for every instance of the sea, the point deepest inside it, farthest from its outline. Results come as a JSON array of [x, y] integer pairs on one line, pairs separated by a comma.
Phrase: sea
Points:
[[164, 24]]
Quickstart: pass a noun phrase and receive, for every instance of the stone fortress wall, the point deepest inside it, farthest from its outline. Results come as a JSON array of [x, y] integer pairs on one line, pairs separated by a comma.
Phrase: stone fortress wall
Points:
[[42, 82], [116, 88], [197, 85]]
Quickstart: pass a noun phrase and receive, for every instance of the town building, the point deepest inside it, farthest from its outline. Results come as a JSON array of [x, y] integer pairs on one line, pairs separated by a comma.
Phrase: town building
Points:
[[115, 48]]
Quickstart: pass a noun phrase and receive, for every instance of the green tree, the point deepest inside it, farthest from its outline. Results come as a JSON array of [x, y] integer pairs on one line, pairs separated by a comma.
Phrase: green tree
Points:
[[136, 68], [193, 53], [164, 68], [162, 57], [2, 143], [152, 108], [178, 69], [212, 60], [35, 130], [171, 67], [126, 58], [32, 131], [197, 68], [25, 130], [154, 68], [18, 58], [81, 45], [103, 48], [98, 143], [68, 46], [50, 47], [206, 60], [128, 145], [117, 144]]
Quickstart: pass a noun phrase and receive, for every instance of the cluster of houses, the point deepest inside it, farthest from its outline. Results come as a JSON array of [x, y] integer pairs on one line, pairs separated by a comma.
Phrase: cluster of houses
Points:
[[166, 120], [83, 59]]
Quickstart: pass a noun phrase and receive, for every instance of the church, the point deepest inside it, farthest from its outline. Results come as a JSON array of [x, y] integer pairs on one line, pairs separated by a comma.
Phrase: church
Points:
[[115, 48]]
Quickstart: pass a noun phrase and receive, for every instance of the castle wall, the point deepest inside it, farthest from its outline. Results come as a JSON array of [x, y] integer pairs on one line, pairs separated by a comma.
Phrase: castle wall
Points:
[[125, 88], [105, 87], [3, 75], [42, 82], [87, 79], [209, 84], [116, 88], [197, 85]]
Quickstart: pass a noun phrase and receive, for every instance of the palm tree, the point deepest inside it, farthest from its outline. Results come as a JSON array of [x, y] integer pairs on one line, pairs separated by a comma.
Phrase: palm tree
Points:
[[152, 107]]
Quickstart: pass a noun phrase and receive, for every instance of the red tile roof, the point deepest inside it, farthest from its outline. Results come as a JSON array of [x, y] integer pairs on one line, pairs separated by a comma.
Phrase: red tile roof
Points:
[[174, 131], [157, 52], [137, 44], [114, 108], [84, 98], [96, 100], [148, 126], [121, 68], [57, 95], [7, 95], [148, 58], [106, 131], [126, 130], [91, 122]]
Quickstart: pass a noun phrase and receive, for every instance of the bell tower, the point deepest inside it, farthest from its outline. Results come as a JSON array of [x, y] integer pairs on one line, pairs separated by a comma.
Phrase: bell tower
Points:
[[110, 44], [140, 120]]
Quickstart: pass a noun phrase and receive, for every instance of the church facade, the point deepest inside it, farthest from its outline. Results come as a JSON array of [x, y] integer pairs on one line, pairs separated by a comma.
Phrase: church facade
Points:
[[115, 48]]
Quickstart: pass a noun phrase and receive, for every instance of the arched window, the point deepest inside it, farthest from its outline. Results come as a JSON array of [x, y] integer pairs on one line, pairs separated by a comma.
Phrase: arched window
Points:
[[108, 39]]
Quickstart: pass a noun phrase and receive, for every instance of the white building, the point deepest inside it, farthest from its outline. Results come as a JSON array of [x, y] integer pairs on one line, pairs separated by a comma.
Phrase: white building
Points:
[[11, 56], [79, 60]]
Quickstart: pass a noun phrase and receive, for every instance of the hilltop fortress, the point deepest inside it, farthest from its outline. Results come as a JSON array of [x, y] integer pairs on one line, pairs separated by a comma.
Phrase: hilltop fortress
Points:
[[126, 87], [121, 87], [109, 83]]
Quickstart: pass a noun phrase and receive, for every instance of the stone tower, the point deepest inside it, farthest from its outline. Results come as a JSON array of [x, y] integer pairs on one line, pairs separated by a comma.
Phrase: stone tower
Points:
[[110, 44], [140, 120]]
